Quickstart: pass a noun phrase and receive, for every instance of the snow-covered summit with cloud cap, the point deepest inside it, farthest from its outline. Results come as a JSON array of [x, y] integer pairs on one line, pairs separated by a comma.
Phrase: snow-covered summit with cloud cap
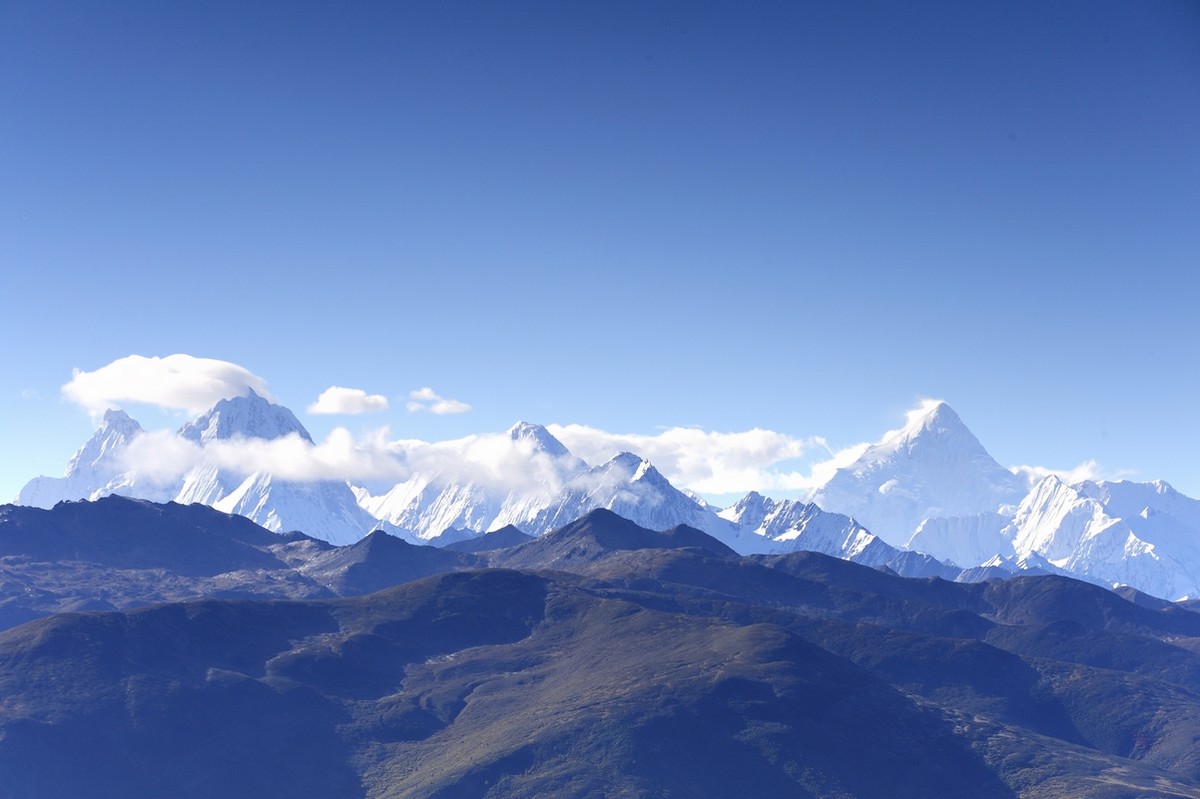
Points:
[[933, 467], [326, 509]]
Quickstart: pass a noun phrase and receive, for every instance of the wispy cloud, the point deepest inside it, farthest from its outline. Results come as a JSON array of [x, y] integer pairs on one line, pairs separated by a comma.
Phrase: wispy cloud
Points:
[[175, 382], [340, 400], [704, 461], [493, 461], [1088, 470], [163, 457], [426, 399]]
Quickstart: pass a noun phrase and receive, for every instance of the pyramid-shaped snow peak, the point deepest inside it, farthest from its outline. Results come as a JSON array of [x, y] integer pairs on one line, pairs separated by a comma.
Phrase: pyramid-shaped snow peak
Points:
[[249, 416], [538, 438], [934, 424], [633, 467], [934, 466], [115, 432], [92, 468]]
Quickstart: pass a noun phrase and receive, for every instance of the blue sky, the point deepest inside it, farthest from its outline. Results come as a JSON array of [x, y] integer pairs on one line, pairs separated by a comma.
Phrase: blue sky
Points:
[[800, 217]]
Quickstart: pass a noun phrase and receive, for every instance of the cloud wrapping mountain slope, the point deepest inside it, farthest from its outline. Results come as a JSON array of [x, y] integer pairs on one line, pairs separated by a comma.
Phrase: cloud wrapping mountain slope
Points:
[[482, 483]]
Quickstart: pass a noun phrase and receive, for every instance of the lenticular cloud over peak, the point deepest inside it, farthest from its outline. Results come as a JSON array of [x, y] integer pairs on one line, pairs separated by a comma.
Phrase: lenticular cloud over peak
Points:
[[174, 382]]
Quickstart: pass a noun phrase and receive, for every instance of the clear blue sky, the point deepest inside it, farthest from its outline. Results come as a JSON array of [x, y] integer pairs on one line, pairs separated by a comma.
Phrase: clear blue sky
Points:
[[796, 216]]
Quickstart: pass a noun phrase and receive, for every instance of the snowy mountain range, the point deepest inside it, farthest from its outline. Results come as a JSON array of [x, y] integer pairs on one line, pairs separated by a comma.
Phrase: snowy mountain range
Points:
[[927, 499]]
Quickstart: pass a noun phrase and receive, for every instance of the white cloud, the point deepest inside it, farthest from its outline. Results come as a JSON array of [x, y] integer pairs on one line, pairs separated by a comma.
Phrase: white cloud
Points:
[[703, 461], [175, 382], [492, 460], [445, 406], [1088, 470], [162, 456], [337, 399], [426, 399], [822, 471]]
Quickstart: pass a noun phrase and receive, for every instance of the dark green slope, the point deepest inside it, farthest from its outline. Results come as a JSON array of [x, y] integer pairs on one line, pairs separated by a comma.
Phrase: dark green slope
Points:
[[616, 661], [491, 683]]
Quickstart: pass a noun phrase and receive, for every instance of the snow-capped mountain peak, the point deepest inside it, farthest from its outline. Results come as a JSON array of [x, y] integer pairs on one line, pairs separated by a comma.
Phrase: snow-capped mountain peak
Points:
[[93, 466], [539, 438], [935, 424], [249, 415], [749, 511], [933, 466], [116, 430], [635, 466]]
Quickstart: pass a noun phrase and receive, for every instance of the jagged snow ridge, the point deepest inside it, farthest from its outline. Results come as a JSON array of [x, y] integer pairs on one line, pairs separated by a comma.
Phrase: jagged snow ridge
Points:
[[1072, 528], [790, 525], [91, 469]]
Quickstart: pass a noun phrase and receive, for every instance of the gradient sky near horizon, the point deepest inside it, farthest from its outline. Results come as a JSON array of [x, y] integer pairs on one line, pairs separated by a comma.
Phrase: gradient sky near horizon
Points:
[[803, 217]]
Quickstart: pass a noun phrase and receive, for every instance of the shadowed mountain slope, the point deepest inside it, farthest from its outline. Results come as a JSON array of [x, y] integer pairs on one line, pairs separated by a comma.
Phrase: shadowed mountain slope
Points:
[[380, 561], [507, 536], [117, 552], [596, 535], [623, 661], [492, 683]]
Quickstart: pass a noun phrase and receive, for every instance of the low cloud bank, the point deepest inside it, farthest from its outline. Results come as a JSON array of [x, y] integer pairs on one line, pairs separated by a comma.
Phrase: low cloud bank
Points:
[[163, 457], [704, 461]]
